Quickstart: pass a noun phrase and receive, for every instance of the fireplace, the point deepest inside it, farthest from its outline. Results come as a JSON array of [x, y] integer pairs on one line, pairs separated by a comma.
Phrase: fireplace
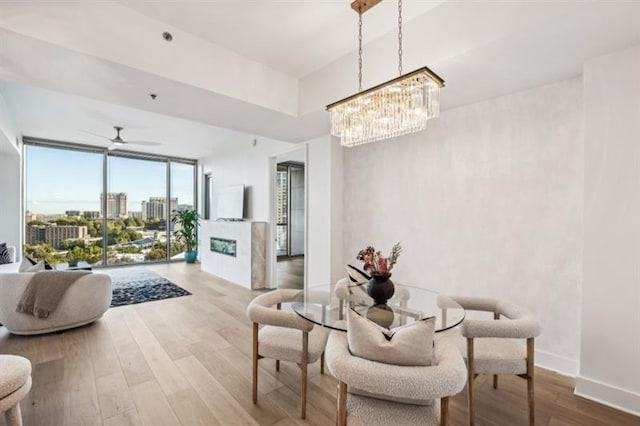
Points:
[[223, 246]]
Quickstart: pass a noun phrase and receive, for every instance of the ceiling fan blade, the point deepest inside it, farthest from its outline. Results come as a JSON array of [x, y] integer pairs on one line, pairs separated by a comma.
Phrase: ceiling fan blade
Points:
[[113, 146], [144, 143], [95, 134]]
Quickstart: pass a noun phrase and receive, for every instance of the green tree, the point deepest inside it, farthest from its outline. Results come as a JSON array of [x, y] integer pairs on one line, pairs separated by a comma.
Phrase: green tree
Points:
[[129, 249], [43, 252], [91, 228], [177, 247], [71, 244], [155, 225], [156, 254]]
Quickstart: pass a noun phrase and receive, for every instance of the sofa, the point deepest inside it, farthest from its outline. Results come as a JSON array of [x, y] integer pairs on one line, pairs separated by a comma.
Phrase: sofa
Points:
[[14, 266], [85, 301]]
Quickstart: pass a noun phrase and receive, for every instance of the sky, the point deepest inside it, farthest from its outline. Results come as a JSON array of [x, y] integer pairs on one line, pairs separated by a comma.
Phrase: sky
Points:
[[57, 180]]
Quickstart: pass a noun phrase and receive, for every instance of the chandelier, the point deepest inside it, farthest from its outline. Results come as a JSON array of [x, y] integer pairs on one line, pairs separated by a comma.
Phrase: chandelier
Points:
[[394, 108]]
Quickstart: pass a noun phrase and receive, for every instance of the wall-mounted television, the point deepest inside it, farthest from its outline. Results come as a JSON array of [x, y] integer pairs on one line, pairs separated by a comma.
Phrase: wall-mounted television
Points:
[[231, 202]]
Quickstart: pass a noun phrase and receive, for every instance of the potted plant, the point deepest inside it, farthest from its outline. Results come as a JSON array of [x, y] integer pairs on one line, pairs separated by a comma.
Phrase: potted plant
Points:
[[188, 221]]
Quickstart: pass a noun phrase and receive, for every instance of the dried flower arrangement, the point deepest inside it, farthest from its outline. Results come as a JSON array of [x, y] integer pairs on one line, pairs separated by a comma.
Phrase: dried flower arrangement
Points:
[[375, 263]]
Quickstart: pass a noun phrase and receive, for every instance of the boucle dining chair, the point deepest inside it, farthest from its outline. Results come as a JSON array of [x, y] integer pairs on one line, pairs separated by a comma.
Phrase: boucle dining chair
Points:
[[374, 393], [15, 384], [490, 346], [284, 336]]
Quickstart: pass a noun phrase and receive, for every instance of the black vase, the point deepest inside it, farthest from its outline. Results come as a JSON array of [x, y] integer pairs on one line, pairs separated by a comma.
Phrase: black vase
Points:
[[380, 288]]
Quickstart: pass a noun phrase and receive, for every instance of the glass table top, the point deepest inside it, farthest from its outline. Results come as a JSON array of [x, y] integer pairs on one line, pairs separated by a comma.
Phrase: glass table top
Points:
[[327, 305]]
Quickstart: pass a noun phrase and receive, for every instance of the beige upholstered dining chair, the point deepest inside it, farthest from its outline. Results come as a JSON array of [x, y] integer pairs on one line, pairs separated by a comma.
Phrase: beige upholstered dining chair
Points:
[[491, 347], [15, 384], [284, 336], [375, 393]]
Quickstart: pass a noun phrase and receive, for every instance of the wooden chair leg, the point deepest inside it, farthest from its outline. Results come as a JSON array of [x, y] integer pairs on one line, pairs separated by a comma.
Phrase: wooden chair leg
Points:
[[444, 411], [341, 417], [255, 363], [322, 363], [13, 416], [277, 365], [496, 316], [470, 379], [303, 367], [530, 372]]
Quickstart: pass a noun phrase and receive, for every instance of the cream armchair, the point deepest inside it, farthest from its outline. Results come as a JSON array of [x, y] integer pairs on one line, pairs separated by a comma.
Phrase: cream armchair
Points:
[[491, 347], [373, 393], [284, 336]]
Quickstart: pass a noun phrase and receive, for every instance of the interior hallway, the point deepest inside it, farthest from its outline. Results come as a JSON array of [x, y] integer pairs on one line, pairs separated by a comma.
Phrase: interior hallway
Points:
[[290, 272]]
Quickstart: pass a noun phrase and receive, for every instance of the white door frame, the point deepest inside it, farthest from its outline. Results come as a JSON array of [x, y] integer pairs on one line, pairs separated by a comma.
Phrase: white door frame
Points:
[[273, 252]]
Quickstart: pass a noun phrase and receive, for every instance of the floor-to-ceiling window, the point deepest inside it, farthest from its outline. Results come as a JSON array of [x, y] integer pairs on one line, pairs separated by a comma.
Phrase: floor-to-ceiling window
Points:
[[290, 209], [282, 210], [136, 209], [102, 207], [62, 204], [182, 190]]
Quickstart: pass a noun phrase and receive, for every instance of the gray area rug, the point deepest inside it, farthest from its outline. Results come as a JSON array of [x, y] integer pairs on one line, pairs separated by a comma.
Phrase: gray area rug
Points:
[[139, 284]]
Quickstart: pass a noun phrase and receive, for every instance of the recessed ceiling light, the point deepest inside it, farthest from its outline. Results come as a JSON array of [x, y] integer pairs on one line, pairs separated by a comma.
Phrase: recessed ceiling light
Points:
[[167, 36]]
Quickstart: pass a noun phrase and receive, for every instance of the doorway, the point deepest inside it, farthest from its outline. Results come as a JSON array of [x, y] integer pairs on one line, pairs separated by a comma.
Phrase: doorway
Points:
[[289, 202]]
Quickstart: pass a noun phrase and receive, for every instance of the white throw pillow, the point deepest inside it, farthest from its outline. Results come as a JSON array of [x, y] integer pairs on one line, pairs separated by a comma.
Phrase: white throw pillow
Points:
[[26, 266], [410, 345]]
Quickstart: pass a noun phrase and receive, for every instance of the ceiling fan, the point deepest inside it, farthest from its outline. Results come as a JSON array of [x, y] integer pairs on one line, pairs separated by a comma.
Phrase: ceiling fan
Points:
[[118, 142]]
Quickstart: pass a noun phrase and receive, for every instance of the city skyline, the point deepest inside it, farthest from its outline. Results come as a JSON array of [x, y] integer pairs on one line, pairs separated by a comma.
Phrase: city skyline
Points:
[[58, 180]]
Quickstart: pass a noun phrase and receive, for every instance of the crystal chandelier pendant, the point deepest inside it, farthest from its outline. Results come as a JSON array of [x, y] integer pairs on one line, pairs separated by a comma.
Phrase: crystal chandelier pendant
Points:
[[395, 108]]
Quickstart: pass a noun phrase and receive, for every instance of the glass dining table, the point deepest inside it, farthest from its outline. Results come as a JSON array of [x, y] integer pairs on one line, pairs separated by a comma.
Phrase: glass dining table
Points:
[[326, 305]]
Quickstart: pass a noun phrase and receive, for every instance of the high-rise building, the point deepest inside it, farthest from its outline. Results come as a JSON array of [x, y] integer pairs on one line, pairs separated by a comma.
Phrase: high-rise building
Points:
[[136, 215], [91, 214], [282, 205], [54, 235], [117, 206], [156, 208], [30, 216], [72, 213]]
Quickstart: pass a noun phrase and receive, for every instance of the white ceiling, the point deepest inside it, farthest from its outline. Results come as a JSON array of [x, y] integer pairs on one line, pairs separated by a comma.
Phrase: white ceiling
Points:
[[56, 116], [269, 67], [295, 37]]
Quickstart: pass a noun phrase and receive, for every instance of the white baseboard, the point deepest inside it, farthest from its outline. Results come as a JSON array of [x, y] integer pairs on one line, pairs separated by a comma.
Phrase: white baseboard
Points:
[[559, 364], [612, 396]]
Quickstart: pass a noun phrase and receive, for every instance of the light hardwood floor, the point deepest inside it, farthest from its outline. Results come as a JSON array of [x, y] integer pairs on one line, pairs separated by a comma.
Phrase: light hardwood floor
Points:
[[187, 361], [290, 272]]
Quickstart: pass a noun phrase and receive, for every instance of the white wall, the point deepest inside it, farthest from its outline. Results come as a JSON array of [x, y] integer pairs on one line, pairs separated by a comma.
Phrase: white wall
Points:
[[8, 132], [324, 218], [610, 343], [243, 163], [10, 183], [487, 201], [10, 201], [251, 166]]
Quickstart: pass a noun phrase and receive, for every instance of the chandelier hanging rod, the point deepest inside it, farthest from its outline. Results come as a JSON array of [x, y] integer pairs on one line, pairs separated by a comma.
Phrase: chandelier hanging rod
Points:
[[431, 74]]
